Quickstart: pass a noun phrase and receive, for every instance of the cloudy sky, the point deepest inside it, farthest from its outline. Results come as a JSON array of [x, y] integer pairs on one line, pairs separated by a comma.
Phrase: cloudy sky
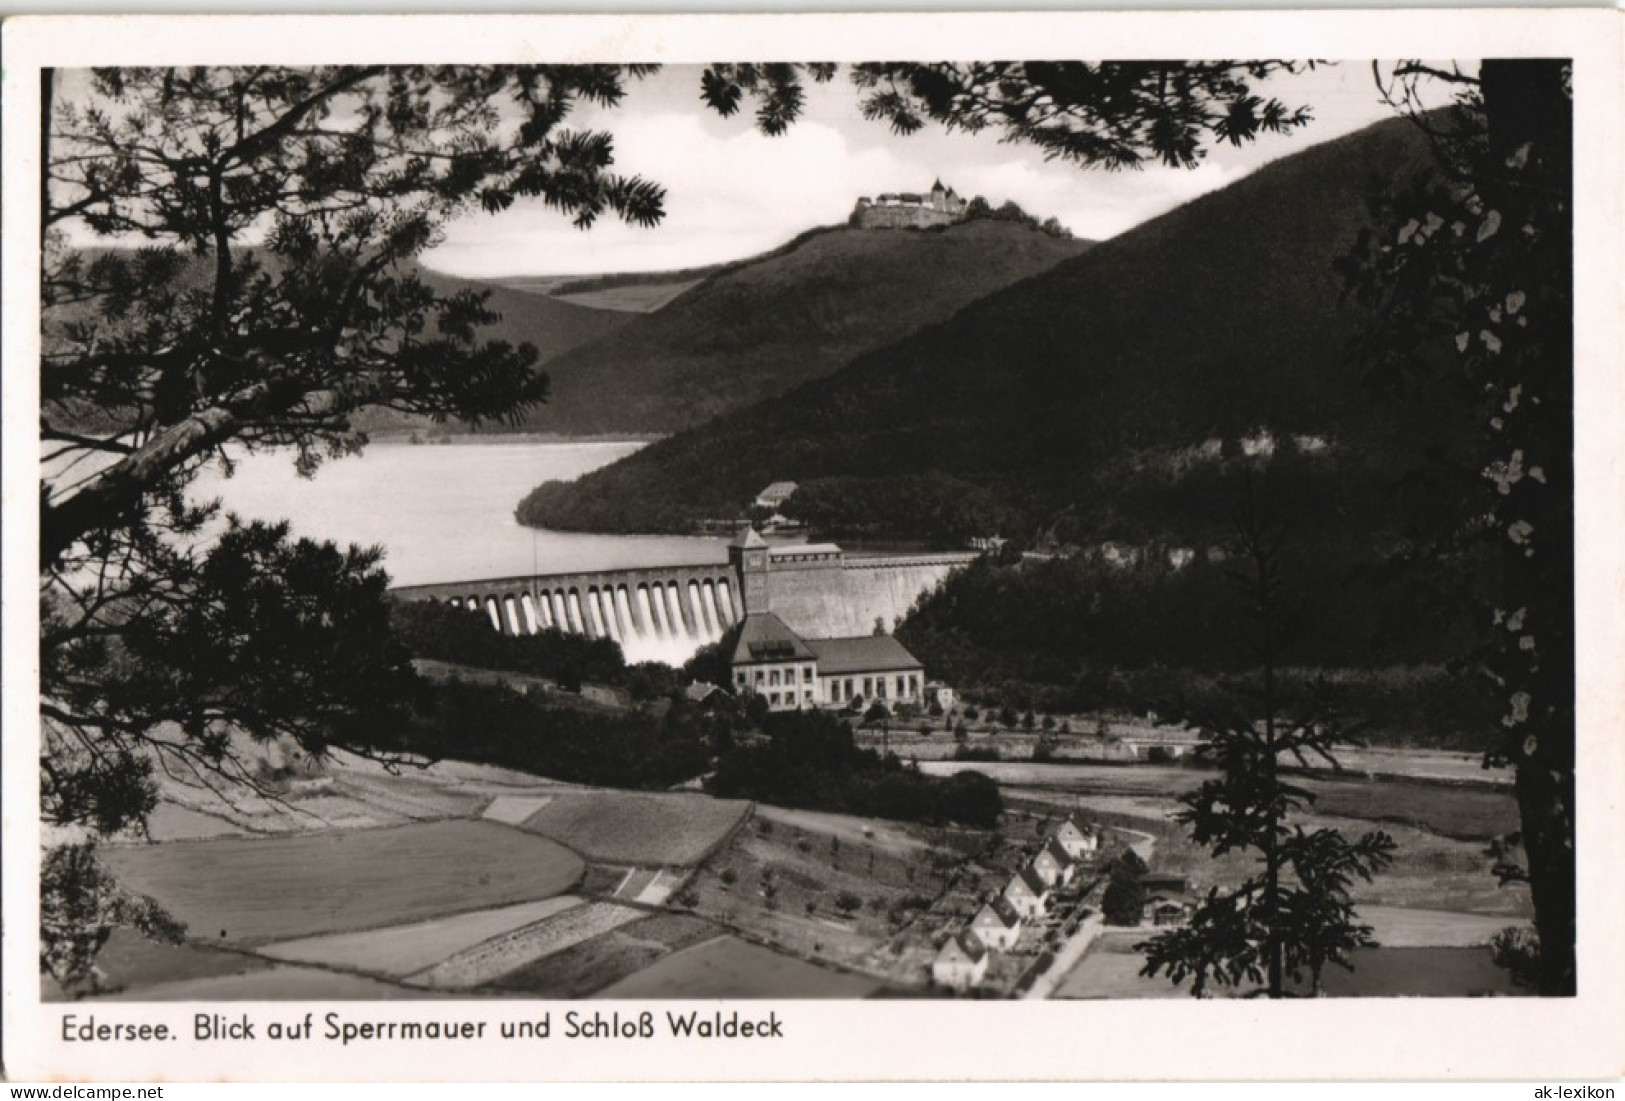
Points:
[[732, 192]]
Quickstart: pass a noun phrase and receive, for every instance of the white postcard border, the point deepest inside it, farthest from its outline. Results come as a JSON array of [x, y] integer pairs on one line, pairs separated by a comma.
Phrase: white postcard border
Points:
[[1424, 1038]]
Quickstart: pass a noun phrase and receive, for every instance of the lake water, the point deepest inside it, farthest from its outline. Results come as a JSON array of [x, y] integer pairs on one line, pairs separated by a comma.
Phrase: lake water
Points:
[[445, 512]]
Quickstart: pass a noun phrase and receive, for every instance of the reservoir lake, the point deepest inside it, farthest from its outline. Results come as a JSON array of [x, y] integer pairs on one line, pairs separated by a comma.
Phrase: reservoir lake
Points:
[[445, 512]]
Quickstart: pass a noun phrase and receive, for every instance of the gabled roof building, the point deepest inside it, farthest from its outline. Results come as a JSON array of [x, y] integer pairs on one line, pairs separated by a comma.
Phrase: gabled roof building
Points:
[[961, 963], [997, 924]]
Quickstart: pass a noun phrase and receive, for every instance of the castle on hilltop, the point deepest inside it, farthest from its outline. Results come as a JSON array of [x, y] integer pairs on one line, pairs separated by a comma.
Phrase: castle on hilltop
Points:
[[940, 206]]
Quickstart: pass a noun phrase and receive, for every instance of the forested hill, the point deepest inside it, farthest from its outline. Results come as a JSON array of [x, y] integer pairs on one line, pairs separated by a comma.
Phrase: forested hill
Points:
[[553, 327], [760, 327], [1080, 393]]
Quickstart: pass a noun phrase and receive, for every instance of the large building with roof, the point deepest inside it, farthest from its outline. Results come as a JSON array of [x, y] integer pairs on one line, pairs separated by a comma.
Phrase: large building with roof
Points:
[[797, 668], [790, 672], [941, 206]]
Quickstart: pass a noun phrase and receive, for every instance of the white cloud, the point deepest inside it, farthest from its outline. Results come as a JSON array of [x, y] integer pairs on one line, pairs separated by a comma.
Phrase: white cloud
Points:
[[731, 192]]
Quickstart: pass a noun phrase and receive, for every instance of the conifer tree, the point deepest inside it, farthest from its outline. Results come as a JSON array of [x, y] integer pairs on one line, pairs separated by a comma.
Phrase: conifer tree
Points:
[[1293, 915]]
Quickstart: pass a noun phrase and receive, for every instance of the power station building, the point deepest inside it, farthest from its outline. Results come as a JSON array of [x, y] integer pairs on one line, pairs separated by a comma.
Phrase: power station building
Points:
[[775, 661]]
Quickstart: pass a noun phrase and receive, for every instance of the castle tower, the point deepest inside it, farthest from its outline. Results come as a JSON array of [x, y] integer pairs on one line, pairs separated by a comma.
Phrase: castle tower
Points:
[[748, 554]]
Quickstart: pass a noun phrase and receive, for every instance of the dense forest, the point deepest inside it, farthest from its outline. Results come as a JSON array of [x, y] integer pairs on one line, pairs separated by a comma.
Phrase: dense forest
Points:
[[809, 759], [1161, 631], [801, 759], [1075, 396]]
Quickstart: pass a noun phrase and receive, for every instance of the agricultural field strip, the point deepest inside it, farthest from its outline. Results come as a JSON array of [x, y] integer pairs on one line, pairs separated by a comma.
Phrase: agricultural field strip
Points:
[[402, 950], [514, 809], [658, 889], [282, 982], [500, 955], [1457, 811], [283, 887], [638, 829], [728, 967], [887, 837]]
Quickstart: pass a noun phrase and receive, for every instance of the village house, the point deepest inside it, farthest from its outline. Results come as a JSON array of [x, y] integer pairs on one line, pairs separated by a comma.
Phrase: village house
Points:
[[1053, 865], [1027, 893], [961, 963], [1166, 899], [997, 924], [1080, 842], [705, 694]]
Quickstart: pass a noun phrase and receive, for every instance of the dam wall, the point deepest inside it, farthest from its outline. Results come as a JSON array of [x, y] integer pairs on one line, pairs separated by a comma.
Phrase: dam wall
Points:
[[847, 600], [662, 613], [666, 613]]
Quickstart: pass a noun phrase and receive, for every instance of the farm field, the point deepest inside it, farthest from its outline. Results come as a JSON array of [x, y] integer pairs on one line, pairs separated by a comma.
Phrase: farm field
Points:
[[174, 822], [622, 827], [889, 837], [401, 950], [635, 298], [609, 957], [129, 961], [494, 958], [1469, 813], [817, 894], [728, 967], [1111, 969], [1404, 927], [248, 891], [279, 983]]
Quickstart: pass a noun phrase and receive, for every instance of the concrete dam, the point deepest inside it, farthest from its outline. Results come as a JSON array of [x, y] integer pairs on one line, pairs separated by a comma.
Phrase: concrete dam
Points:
[[666, 613]]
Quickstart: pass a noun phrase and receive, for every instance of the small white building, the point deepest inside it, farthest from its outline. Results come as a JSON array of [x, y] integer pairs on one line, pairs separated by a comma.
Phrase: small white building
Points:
[[1053, 865], [1081, 842], [997, 925], [774, 496], [961, 963], [1027, 893]]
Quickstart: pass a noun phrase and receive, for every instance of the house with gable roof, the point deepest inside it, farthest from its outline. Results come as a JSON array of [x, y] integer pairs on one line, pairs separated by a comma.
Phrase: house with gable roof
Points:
[[1053, 865], [1027, 893], [1081, 842], [997, 924], [961, 963]]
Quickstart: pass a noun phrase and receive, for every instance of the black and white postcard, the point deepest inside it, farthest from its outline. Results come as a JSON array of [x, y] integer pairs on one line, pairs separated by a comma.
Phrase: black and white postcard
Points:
[[566, 546]]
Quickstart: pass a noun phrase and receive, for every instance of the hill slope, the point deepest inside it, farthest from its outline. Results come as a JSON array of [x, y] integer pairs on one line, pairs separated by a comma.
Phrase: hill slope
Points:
[[554, 328], [755, 329], [1076, 392]]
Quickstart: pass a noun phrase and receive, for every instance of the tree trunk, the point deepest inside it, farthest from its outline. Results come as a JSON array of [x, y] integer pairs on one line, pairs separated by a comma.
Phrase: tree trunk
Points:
[[1529, 180]]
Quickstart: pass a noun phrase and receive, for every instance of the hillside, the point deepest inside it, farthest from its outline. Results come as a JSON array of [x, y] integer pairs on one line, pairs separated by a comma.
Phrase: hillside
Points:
[[755, 329], [554, 327], [1102, 396]]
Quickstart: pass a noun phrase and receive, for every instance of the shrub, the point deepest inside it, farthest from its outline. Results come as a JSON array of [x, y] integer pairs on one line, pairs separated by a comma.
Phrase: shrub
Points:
[[728, 876], [848, 903], [1517, 949], [1124, 902]]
